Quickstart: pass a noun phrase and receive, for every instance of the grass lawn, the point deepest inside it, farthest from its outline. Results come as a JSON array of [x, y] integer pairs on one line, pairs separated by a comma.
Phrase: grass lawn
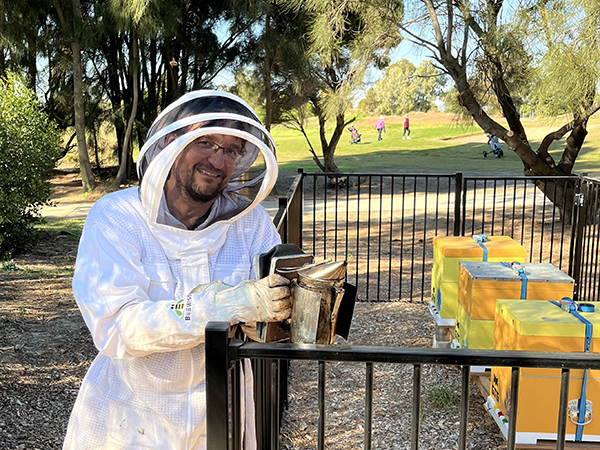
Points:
[[440, 147]]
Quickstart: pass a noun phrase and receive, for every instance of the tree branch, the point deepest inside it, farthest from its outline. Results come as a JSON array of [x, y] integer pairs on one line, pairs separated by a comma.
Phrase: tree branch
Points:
[[417, 40], [450, 21], [593, 109], [551, 137], [441, 47], [298, 126]]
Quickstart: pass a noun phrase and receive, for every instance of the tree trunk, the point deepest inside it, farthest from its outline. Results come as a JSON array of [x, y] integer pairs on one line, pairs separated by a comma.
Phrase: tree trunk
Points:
[[111, 79], [561, 193], [87, 177], [121, 174], [268, 63], [329, 150], [98, 168]]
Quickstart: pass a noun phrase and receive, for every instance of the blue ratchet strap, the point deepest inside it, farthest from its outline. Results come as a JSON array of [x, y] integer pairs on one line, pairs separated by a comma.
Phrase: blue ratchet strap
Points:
[[518, 269], [585, 307], [480, 239], [570, 306]]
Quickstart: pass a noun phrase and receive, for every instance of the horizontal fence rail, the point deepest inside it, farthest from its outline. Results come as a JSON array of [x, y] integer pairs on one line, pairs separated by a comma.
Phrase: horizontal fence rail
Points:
[[223, 353], [383, 225]]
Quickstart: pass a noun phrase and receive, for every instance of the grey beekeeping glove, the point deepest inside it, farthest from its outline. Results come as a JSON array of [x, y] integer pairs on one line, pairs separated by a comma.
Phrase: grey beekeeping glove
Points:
[[264, 300]]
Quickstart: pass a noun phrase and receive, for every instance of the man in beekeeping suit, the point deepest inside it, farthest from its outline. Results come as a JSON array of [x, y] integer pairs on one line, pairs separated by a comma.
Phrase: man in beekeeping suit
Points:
[[158, 262]]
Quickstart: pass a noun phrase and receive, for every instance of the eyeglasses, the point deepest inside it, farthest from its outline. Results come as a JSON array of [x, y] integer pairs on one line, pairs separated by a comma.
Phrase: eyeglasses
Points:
[[209, 148]]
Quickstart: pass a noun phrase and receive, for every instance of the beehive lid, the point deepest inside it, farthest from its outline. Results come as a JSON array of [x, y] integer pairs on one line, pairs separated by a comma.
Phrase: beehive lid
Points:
[[539, 318], [538, 273], [465, 246]]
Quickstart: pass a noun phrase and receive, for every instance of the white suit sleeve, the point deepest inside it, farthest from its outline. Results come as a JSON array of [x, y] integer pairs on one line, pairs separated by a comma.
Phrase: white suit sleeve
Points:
[[265, 300], [111, 287]]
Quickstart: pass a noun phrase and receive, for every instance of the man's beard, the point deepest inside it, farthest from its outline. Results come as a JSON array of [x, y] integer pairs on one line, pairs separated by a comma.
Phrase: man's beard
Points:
[[202, 192]]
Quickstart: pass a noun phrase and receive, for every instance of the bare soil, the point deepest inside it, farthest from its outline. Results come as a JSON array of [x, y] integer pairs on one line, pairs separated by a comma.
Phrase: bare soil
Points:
[[45, 350]]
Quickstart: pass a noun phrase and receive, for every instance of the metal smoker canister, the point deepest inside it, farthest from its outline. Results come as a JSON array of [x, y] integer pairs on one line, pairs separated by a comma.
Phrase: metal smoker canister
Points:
[[317, 296]]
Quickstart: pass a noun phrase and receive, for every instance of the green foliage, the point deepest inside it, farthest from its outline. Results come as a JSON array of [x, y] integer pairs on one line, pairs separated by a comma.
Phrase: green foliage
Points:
[[9, 266], [28, 150], [251, 89], [568, 72], [504, 47], [404, 88], [344, 38], [366, 30], [451, 105], [443, 397]]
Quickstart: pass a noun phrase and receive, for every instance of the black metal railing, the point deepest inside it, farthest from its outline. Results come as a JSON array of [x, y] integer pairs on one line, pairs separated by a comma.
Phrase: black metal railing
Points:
[[288, 218], [585, 263], [223, 353], [383, 225]]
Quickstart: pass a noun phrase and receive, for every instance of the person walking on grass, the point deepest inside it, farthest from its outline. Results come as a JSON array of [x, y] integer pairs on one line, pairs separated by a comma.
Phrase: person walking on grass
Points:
[[380, 126], [406, 133]]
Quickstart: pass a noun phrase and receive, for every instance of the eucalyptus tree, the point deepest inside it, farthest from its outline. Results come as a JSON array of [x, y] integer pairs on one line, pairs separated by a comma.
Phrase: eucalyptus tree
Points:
[[22, 36], [130, 14], [70, 17], [547, 50], [404, 88], [344, 38]]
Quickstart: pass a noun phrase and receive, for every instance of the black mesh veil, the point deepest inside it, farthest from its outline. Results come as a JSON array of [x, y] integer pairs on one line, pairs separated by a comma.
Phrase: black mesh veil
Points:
[[206, 109]]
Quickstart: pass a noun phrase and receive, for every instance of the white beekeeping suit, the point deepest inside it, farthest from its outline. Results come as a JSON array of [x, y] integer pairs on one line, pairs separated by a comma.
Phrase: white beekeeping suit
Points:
[[136, 267]]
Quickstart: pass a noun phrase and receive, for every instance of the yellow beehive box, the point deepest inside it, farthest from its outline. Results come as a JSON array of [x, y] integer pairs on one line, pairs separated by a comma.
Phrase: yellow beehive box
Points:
[[448, 251], [482, 283], [543, 326], [473, 333], [444, 296]]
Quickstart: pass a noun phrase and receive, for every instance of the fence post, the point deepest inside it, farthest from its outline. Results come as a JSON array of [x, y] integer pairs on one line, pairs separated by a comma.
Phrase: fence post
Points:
[[298, 210], [457, 200], [284, 222], [580, 217], [217, 385]]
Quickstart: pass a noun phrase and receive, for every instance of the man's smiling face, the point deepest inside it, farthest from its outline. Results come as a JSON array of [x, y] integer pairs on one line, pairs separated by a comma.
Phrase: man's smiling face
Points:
[[203, 170]]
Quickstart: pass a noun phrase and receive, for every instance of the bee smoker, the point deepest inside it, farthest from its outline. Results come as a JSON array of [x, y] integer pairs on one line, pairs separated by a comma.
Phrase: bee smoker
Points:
[[323, 304], [322, 301]]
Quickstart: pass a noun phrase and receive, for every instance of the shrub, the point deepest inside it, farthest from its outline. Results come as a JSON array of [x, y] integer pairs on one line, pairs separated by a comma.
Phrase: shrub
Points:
[[28, 151]]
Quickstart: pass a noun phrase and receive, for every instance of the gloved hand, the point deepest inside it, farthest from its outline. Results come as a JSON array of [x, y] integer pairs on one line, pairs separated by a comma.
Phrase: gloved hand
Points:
[[264, 300]]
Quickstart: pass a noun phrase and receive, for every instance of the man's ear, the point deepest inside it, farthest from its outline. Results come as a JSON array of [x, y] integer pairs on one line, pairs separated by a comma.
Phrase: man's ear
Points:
[[170, 138]]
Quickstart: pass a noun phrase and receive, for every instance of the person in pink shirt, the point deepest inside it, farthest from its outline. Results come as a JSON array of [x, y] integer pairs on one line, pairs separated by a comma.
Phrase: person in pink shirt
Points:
[[380, 126]]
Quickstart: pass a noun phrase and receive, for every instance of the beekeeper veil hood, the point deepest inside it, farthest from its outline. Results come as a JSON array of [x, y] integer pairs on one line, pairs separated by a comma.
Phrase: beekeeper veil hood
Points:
[[202, 113]]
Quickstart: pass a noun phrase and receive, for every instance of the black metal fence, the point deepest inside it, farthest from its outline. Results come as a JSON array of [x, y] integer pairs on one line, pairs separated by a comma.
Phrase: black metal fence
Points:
[[384, 224], [223, 353]]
